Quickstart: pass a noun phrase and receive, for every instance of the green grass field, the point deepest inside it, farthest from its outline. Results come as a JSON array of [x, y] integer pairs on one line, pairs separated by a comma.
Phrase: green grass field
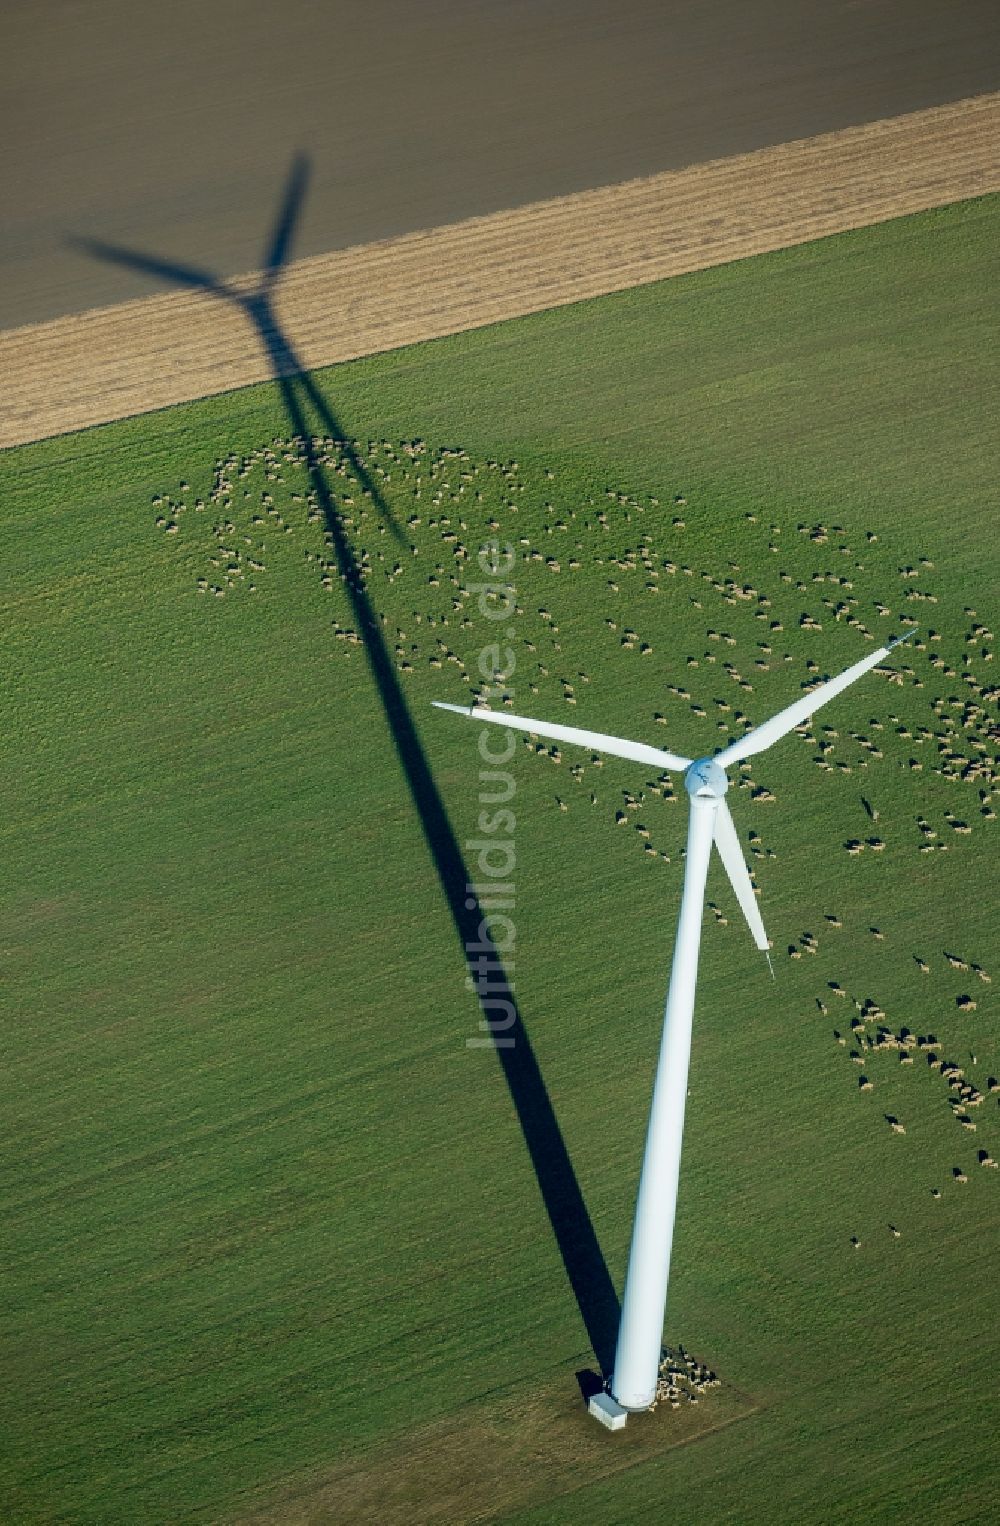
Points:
[[272, 1240]]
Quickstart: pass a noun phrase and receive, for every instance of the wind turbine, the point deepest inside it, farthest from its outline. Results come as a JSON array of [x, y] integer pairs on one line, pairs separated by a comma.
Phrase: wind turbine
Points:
[[640, 1332]]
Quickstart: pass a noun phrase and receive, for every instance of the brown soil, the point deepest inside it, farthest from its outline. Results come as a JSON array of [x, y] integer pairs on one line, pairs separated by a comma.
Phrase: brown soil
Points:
[[138, 356], [507, 1451], [170, 127]]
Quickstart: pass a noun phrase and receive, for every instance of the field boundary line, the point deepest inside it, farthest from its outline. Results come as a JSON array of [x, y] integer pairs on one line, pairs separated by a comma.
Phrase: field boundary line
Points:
[[135, 357]]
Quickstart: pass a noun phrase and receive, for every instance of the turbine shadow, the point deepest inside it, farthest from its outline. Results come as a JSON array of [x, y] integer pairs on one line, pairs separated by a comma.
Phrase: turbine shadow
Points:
[[306, 405]]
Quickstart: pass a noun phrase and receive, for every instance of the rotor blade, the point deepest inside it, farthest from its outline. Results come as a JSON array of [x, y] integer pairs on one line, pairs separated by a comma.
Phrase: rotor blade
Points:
[[617, 747], [284, 226], [165, 270], [786, 720], [731, 854]]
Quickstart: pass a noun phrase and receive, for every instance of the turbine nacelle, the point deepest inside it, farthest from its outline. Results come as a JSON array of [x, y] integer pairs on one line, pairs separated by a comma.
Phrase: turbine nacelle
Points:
[[705, 779]]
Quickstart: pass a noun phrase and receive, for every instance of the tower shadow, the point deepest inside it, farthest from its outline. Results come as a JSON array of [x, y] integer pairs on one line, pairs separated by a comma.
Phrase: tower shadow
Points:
[[304, 403]]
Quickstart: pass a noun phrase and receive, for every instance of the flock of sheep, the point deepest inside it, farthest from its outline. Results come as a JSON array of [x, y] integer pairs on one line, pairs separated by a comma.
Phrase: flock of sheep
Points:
[[682, 1379], [449, 501], [261, 503]]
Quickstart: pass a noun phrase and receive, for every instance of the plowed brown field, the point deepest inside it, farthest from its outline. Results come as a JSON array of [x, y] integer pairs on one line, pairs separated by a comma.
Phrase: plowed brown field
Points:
[[138, 356]]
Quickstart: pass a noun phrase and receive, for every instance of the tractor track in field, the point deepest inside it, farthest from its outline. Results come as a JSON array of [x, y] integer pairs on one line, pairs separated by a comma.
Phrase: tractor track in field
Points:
[[114, 362]]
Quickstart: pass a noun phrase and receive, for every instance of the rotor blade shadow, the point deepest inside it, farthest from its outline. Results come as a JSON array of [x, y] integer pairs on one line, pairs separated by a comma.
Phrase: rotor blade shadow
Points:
[[560, 1190], [147, 265], [284, 226]]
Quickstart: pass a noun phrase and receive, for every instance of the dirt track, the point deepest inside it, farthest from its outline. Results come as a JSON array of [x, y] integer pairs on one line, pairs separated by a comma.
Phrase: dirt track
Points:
[[138, 356]]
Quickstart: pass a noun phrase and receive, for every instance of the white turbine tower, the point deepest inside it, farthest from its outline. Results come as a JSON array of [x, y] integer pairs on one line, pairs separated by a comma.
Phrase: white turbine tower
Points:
[[640, 1333]]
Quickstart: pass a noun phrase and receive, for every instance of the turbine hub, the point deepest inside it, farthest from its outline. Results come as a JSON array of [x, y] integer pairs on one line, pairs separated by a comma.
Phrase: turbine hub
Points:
[[706, 778]]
